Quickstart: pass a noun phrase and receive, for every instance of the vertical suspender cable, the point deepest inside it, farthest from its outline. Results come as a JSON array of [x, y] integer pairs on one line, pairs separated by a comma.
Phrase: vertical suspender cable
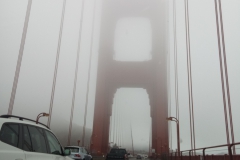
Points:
[[76, 74], [118, 129], [149, 150], [132, 137], [169, 98], [175, 59], [121, 129], [89, 70], [189, 99], [226, 76], [189, 70], [110, 130], [20, 55], [123, 143], [56, 64], [116, 111], [117, 126], [221, 71], [114, 122]]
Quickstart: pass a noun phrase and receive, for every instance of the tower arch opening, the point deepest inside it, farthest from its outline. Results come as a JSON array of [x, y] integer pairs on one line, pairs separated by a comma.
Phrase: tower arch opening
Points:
[[130, 108]]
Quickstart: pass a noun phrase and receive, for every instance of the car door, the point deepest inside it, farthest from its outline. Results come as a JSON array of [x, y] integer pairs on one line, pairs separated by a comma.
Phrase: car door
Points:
[[87, 157], [55, 147], [9, 142], [34, 143]]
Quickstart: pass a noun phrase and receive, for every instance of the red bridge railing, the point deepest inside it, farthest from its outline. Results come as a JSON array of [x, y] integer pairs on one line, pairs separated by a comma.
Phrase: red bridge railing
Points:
[[192, 156]]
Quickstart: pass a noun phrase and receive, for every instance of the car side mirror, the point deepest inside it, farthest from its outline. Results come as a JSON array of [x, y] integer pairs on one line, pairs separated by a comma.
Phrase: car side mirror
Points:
[[67, 152]]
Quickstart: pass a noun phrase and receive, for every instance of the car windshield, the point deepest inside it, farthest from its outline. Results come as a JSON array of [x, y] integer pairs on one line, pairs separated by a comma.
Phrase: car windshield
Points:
[[72, 149]]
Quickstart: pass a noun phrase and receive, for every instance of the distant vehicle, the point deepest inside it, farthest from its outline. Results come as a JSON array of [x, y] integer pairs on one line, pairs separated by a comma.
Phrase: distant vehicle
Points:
[[139, 157], [78, 153], [22, 139], [90, 156], [117, 153], [130, 156]]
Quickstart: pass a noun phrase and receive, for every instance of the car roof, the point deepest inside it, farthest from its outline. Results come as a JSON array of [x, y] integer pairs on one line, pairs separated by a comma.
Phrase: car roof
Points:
[[74, 146], [15, 120]]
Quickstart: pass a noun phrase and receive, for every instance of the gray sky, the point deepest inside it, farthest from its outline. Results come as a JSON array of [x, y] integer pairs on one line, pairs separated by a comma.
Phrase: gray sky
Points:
[[35, 81]]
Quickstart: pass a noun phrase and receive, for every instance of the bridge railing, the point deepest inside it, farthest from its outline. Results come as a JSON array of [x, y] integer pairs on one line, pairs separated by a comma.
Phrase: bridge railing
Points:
[[193, 156]]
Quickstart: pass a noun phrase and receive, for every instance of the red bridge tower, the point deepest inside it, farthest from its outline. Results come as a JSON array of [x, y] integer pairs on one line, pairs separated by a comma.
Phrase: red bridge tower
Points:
[[150, 75]]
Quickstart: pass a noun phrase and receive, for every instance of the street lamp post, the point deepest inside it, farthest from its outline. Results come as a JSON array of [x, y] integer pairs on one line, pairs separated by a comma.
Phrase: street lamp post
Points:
[[41, 115], [178, 136]]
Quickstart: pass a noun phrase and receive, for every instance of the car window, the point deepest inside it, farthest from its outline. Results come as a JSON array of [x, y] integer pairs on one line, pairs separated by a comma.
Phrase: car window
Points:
[[55, 147], [118, 151], [83, 150], [10, 134], [38, 140], [27, 144], [72, 149]]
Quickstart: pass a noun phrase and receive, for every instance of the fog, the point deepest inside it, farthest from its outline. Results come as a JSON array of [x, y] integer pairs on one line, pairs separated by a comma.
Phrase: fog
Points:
[[132, 104]]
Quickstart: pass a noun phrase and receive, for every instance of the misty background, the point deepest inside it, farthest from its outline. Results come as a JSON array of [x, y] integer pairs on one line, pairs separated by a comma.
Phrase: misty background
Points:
[[132, 104]]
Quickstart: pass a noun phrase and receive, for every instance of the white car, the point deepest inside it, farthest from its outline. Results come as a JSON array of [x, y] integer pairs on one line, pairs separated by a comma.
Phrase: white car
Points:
[[23, 139], [78, 153]]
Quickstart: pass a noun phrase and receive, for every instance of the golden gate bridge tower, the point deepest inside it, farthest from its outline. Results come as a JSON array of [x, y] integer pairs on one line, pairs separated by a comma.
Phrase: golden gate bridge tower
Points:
[[150, 75]]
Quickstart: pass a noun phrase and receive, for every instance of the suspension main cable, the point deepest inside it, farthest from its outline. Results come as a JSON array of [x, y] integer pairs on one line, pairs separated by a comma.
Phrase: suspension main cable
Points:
[[221, 71], [76, 74], [89, 70], [19, 61], [56, 64]]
